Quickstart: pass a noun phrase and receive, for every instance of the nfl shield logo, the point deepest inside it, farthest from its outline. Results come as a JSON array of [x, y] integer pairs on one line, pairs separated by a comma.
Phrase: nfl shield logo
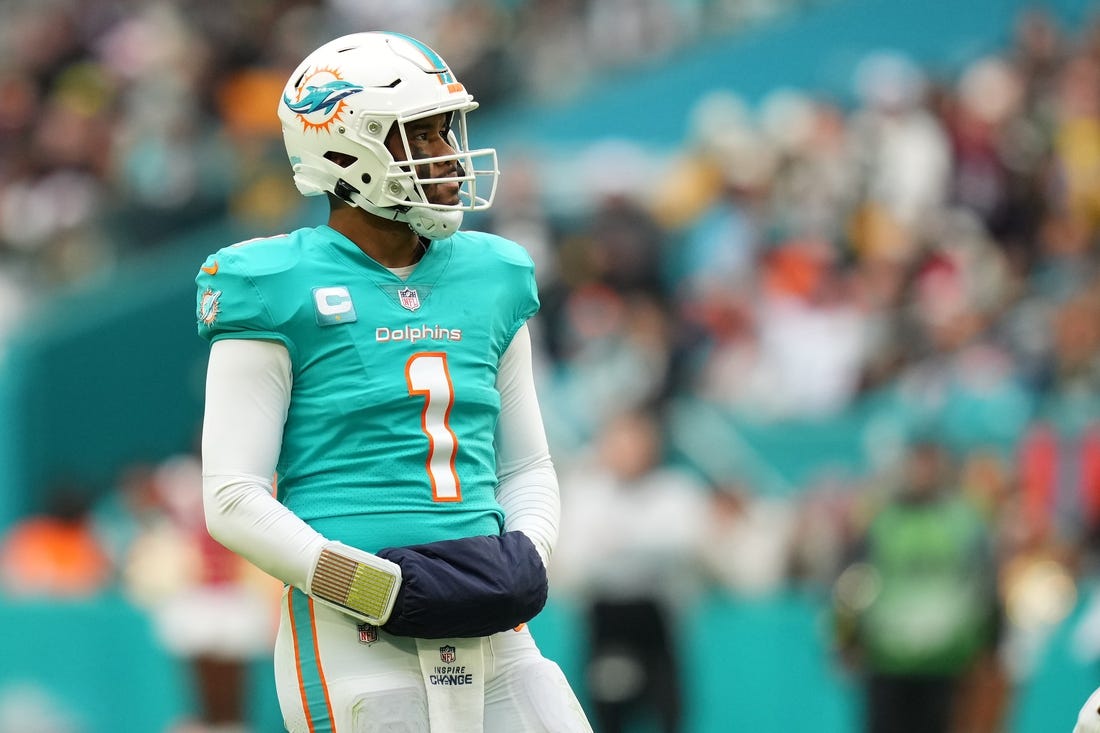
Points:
[[447, 654], [408, 299], [368, 634]]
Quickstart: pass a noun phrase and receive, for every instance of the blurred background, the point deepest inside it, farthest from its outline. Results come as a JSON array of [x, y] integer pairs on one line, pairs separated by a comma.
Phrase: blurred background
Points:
[[819, 351]]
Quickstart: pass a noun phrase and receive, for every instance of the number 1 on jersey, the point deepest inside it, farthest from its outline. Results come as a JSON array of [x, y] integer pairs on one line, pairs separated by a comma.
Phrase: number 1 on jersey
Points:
[[427, 374]]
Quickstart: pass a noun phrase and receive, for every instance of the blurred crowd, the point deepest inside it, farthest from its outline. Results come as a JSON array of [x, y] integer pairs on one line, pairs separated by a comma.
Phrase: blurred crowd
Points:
[[127, 121], [916, 268]]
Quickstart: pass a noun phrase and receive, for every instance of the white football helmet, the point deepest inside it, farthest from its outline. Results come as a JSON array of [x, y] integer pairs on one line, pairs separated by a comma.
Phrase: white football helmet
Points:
[[340, 104]]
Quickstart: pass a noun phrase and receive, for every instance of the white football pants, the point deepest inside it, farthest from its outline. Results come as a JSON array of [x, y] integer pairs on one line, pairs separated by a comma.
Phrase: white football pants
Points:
[[336, 675]]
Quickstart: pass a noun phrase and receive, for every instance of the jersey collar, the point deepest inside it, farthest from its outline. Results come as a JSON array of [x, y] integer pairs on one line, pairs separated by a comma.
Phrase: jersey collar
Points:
[[427, 271]]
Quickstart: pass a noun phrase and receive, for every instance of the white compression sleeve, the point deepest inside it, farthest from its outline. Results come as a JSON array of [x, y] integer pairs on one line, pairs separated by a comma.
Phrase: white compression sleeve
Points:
[[527, 485], [247, 396]]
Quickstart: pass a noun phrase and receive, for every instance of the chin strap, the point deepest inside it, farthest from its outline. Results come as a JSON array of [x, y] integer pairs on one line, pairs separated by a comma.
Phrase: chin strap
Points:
[[432, 223], [428, 223]]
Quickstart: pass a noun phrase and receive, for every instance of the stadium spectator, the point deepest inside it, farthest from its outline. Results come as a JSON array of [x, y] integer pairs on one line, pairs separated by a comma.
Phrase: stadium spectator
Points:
[[633, 528], [55, 553], [917, 607]]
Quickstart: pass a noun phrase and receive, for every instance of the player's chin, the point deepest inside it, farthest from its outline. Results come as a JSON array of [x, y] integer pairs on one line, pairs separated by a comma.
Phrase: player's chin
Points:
[[445, 194]]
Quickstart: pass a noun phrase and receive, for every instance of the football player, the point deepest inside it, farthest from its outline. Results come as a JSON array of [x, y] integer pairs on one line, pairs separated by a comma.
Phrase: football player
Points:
[[378, 369]]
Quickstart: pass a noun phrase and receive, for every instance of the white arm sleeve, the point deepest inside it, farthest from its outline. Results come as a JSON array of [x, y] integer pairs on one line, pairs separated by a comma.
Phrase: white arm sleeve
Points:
[[527, 485], [247, 396]]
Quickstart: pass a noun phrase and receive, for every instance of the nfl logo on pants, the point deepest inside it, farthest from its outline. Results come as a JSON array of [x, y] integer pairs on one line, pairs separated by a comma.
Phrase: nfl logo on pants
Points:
[[447, 654]]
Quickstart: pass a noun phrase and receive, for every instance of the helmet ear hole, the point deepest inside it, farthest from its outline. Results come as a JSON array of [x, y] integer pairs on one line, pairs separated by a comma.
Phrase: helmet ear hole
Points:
[[341, 159], [365, 178]]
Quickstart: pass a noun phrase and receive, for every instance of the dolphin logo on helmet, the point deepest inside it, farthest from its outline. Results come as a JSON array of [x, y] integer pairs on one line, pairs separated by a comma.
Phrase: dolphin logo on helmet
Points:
[[323, 97], [317, 100]]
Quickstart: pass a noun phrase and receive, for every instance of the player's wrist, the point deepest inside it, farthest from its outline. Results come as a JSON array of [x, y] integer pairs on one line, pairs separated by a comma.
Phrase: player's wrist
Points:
[[542, 547], [355, 582]]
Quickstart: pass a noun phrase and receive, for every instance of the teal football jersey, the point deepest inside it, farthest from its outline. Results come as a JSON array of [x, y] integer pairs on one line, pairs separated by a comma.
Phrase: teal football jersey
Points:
[[389, 439]]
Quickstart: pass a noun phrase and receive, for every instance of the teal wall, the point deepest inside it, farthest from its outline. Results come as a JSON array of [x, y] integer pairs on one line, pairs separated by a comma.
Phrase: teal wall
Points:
[[105, 375], [12, 493], [101, 667], [102, 377]]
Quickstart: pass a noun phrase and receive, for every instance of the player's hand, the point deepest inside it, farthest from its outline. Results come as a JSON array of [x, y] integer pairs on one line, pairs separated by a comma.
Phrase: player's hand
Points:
[[468, 587]]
